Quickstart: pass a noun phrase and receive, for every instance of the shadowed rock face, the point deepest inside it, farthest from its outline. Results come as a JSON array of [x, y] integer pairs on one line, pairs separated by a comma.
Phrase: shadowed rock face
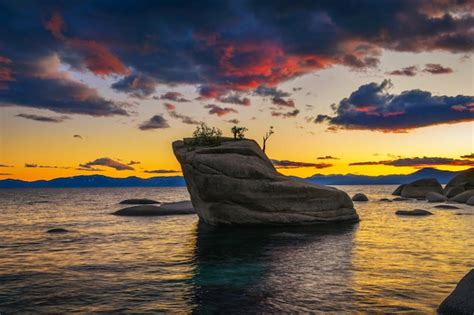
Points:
[[462, 182], [235, 183], [461, 300]]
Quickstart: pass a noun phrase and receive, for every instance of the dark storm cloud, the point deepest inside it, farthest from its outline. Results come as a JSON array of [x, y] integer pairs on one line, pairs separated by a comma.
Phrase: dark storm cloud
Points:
[[43, 118], [220, 45], [371, 107], [435, 68], [219, 111], [294, 164], [419, 162], [155, 122], [407, 71], [108, 162]]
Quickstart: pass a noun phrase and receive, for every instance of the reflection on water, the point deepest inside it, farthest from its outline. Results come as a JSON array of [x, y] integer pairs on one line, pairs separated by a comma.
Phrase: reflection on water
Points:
[[116, 264]]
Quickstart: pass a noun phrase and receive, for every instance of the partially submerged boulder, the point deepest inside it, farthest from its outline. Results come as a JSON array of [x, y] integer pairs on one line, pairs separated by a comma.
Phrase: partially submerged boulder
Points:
[[435, 197], [57, 231], [419, 188], [138, 202], [234, 182], [400, 199], [461, 182], [385, 200], [360, 197], [461, 300], [150, 210], [463, 197], [447, 207], [416, 212]]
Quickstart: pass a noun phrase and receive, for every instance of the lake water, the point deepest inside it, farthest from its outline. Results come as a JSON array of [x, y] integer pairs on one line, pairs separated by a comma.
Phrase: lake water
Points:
[[385, 263]]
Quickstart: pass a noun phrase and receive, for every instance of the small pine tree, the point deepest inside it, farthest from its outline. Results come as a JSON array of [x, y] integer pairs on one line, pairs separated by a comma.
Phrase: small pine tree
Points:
[[266, 136]]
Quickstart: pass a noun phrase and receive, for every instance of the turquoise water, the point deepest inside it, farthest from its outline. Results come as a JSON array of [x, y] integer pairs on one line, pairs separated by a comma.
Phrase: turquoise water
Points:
[[385, 263]]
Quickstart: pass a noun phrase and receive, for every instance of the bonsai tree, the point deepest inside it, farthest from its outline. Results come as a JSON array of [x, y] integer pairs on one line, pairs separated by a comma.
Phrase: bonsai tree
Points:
[[266, 136], [238, 132], [205, 135]]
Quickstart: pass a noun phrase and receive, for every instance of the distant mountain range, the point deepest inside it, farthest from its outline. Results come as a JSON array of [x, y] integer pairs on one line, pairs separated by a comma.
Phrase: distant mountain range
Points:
[[178, 181]]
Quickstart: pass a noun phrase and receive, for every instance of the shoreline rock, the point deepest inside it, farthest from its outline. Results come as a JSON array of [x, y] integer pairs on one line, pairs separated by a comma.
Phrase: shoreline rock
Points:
[[419, 188], [462, 182], [461, 299], [234, 183]]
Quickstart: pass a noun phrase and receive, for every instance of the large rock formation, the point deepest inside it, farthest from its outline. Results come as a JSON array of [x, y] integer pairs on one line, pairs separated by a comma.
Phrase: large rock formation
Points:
[[461, 182], [463, 197], [461, 300], [419, 188], [234, 182]]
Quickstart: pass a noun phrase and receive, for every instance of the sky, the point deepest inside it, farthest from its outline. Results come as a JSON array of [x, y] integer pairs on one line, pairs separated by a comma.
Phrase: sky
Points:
[[362, 87]]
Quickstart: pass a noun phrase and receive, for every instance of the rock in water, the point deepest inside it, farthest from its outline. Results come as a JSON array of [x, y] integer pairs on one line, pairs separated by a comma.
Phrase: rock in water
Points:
[[470, 201], [360, 197], [448, 207], [461, 182], [398, 191], [416, 212], [149, 211], [138, 202], [419, 188], [463, 197], [234, 182], [435, 197], [461, 300], [185, 206]]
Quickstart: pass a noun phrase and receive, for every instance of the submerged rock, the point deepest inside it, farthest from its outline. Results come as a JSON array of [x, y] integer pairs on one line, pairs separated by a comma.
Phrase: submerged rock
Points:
[[385, 200], [461, 182], [419, 188], [234, 182], [435, 197], [360, 197], [138, 202], [57, 230], [463, 197], [461, 300], [150, 210], [400, 199], [449, 207], [416, 212]]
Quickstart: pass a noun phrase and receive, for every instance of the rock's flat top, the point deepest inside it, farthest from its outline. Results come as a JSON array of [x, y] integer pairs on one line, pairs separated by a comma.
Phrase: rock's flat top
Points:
[[461, 300], [234, 182]]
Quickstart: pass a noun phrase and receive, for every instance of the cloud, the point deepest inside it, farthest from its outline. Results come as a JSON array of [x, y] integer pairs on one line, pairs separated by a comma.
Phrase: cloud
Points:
[[434, 68], [138, 85], [133, 163], [43, 118], [289, 114], [184, 118], [265, 91], [161, 171], [4, 165], [40, 84], [418, 162], [233, 121], [172, 96], [77, 137], [407, 71], [327, 157], [285, 164], [225, 46], [371, 107], [219, 111], [235, 99], [34, 165], [31, 165], [107, 162], [155, 122], [5, 174], [282, 102], [468, 156]]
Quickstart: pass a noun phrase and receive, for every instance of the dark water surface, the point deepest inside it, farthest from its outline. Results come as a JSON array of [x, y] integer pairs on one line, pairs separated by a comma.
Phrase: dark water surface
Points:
[[385, 263]]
